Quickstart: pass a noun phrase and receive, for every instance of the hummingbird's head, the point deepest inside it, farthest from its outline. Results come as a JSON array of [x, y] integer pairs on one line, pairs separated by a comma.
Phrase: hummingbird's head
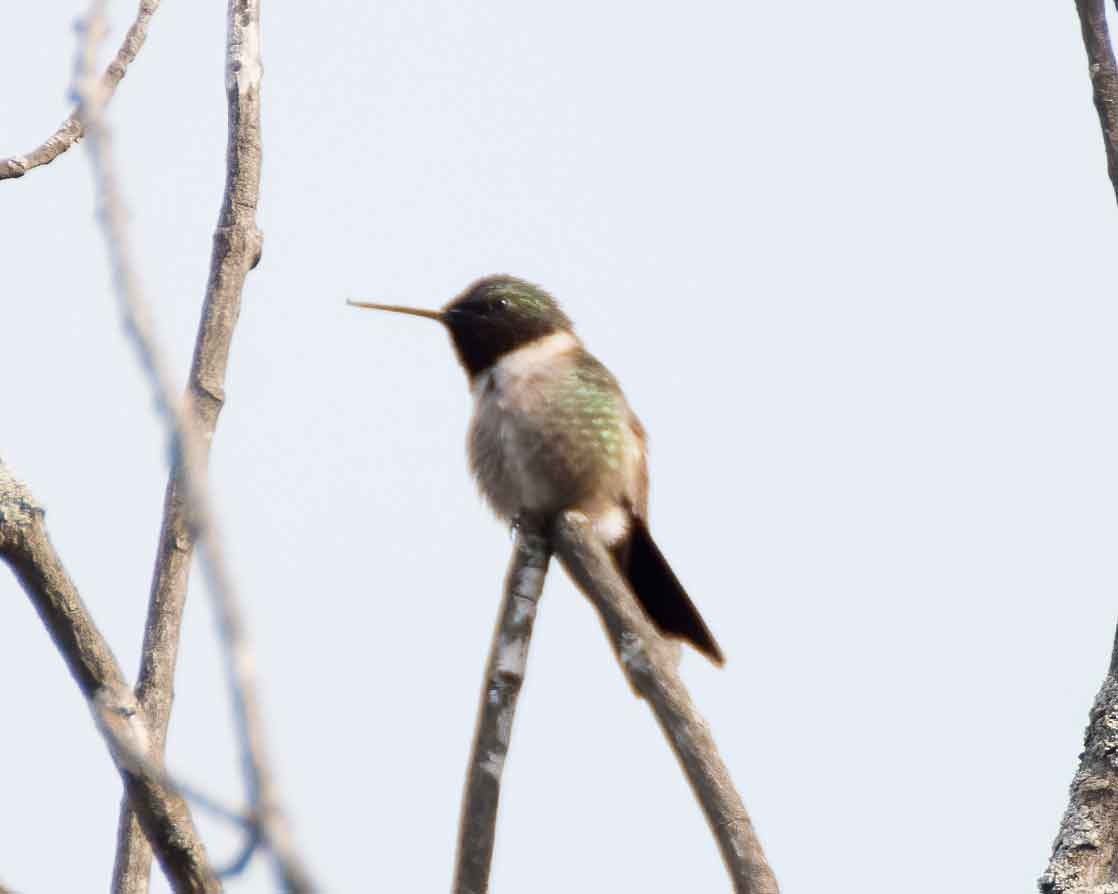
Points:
[[492, 317], [498, 314]]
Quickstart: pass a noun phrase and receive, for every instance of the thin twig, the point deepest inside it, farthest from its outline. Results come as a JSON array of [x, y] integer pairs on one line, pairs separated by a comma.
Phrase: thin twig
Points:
[[71, 130], [163, 814], [243, 76], [504, 675], [1104, 77], [248, 850], [649, 663]]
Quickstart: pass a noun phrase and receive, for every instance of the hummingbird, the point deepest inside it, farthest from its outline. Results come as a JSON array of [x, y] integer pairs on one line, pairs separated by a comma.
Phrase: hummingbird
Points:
[[551, 431]]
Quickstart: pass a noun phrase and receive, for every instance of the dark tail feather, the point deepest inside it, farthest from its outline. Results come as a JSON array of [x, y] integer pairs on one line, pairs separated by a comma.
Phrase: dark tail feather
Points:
[[660, 593]]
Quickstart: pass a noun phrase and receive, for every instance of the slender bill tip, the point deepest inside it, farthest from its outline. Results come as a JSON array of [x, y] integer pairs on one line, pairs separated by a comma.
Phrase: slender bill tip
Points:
[[397, 309]]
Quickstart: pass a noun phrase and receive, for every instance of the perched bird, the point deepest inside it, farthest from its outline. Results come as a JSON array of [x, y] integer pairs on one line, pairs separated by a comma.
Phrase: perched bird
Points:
[[551, 430]]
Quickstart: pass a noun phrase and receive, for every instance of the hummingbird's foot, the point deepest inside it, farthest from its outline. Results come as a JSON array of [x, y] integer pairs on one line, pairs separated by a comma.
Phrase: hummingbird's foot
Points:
[[527, 522]]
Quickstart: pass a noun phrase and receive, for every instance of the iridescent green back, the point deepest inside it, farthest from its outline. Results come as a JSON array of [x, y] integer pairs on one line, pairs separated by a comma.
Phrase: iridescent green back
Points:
[[590, 406]]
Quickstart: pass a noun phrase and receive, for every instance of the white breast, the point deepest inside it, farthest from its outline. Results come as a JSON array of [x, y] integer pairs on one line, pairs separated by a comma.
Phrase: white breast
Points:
[[529, 360], [503, 431]]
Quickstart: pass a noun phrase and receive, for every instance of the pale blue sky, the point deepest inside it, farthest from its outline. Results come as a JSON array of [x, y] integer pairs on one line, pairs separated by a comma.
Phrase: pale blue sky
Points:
[[851, 264]]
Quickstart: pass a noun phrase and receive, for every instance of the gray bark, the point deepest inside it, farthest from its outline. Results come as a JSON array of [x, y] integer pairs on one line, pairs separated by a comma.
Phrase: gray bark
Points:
[[73, 129], [1104, 77], [504, 675], [162, 814], [1085, 853], [649, 664]]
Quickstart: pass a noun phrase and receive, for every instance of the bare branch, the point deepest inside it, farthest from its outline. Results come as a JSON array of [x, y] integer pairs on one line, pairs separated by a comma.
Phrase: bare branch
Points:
[[649, 663], [233, 256], [71, 130], [1104, 77], [508, 658], [163, 815], [1085, 853]]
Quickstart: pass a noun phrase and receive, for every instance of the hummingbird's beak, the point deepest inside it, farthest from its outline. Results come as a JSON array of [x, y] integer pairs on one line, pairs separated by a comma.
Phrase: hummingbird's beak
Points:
[[397, 309]]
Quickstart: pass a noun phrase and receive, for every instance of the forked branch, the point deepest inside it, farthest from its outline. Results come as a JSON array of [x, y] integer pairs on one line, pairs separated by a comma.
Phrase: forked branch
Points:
[[650, 665]]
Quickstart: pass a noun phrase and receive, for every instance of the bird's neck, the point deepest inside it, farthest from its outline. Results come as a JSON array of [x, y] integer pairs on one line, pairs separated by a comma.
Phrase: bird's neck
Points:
[[530, 358], [535, 355]]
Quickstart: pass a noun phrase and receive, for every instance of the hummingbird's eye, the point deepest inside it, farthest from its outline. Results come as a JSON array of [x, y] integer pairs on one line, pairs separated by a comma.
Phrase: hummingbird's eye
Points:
[[503, 303]]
